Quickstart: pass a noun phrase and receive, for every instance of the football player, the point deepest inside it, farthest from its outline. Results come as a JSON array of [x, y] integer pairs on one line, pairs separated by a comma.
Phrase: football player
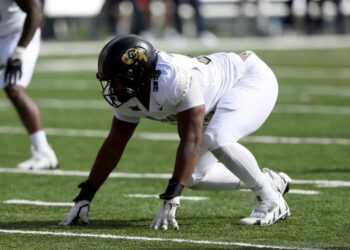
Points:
[[20, 22], [215, 101]]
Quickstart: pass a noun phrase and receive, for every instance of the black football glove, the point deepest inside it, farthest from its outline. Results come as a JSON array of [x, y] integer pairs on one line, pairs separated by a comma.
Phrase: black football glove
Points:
[[13, 67]]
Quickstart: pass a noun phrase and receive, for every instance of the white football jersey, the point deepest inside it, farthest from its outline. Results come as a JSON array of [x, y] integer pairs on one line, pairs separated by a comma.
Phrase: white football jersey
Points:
[[11, 18], [185, 82]]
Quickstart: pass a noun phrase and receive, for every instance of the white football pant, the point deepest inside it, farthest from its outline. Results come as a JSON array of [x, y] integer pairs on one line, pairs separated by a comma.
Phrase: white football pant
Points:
[[7, 47], [240, 112]]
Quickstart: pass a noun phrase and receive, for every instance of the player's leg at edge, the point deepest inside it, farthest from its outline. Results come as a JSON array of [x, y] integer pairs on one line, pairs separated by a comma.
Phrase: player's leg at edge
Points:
[[43, 156]]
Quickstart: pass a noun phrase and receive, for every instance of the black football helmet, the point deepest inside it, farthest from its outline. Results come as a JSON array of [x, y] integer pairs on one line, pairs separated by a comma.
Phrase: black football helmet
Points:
[[125, 66]]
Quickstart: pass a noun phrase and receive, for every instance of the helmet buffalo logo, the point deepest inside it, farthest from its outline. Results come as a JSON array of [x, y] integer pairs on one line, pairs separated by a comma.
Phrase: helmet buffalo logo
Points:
[[133, 56]]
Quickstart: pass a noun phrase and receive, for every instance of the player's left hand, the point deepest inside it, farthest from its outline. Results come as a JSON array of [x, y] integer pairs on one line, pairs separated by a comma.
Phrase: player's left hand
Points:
[[166, 214], [13, 67]]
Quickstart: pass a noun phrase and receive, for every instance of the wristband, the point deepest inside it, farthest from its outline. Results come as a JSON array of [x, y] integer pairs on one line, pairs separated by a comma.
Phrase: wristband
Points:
[[174, 189], [18, 53], [87, 192]]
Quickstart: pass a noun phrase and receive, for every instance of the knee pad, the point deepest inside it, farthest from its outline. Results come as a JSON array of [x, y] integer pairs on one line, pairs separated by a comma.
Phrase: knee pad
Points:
[[211, 141], [215, 139]]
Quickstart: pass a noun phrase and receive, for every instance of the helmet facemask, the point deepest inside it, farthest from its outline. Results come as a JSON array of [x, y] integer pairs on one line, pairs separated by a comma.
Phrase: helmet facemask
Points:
[[118, 91]]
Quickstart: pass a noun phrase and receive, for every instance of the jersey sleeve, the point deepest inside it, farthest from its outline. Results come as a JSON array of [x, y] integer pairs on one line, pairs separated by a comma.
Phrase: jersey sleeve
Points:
[[193, 96], [180, 85], [126, 118]]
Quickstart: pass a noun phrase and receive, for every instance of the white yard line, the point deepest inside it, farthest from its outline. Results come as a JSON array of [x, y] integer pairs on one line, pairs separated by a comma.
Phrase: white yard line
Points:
[[146, 196], [318, 183], [157, 136], [39, 203], [297, 140], [70, 204], [64, 104], [141, 196], [324, 183], [5, 105], [175, 137], [43, 83], [101, 104], [308, 89], [92, 84], [89, 65], [311, 72], [140, 238], [312, 109], [294, 191], [305, 192], [58, 132], [67, 65], [73, 104], [57, 172]]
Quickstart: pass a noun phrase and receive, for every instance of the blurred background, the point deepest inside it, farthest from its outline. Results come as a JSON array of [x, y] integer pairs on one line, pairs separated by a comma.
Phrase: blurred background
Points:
[[180, 21]]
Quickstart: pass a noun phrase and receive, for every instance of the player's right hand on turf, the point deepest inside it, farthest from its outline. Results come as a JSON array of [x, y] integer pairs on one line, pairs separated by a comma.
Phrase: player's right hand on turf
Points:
[[166, 214], [80, 210]]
